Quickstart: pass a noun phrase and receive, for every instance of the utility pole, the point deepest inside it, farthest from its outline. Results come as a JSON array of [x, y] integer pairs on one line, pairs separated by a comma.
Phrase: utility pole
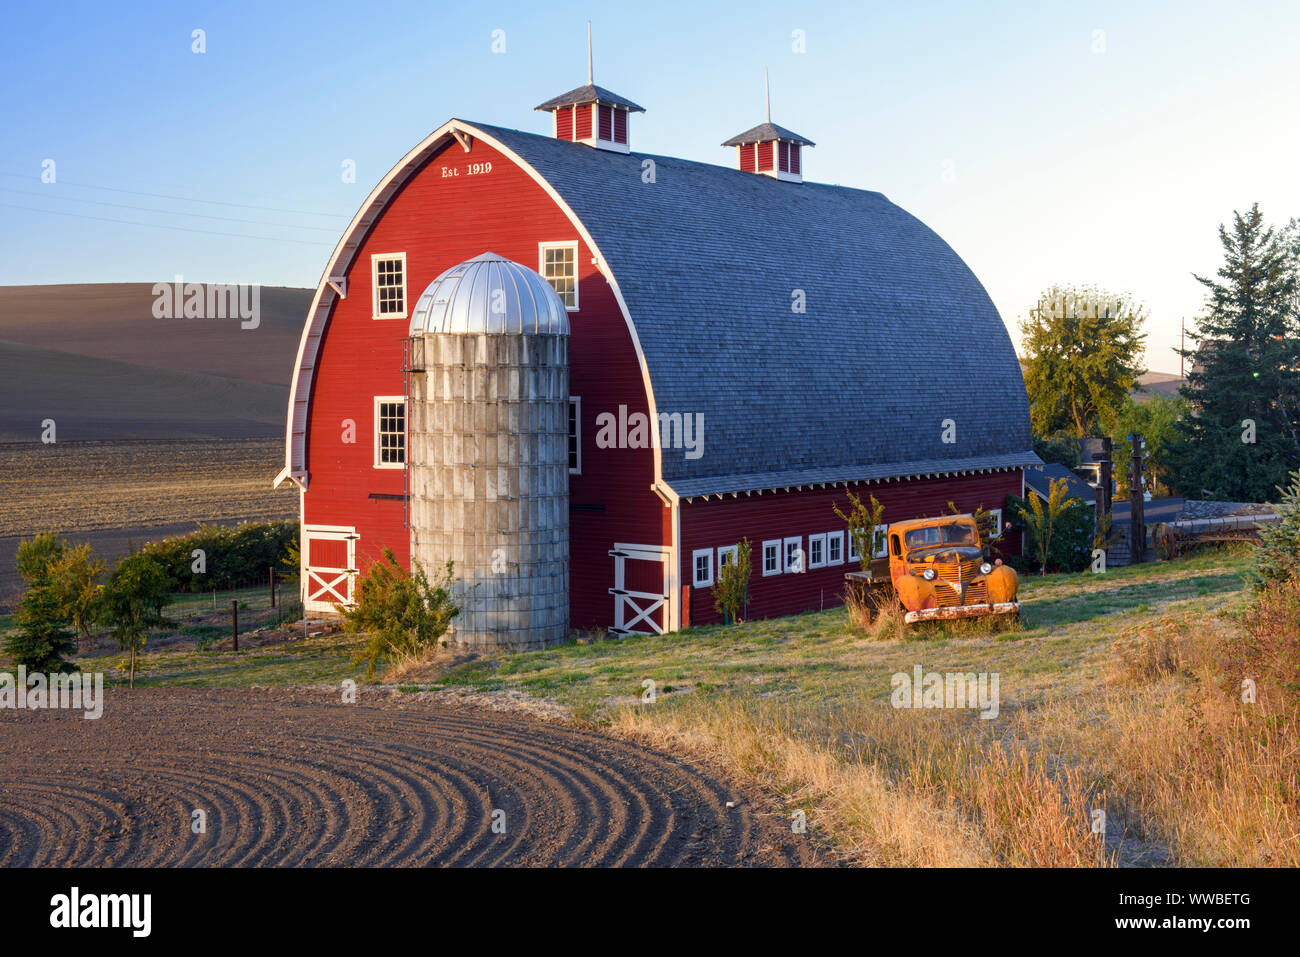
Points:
[[1182, 344], [1137, 515]]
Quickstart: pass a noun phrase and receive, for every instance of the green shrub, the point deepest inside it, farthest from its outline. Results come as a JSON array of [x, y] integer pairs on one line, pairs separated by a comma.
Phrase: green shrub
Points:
[[1064, 528], [232, 555], [402, 613], [1277, 560], [731, 590]]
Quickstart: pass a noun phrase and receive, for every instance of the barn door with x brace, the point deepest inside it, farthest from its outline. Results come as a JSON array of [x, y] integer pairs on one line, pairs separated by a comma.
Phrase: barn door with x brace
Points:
[[642, 585], [329, 554]]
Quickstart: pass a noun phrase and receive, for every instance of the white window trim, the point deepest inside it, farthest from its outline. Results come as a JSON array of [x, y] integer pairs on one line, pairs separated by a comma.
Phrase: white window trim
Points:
[[996, 522], [834, 537], [405, 438], [541, 267], [852, 549], [780, 556], [732, 550], [375, 259], [812, 562], [797, 542], [576, 402], [696, 555], [883, 551]]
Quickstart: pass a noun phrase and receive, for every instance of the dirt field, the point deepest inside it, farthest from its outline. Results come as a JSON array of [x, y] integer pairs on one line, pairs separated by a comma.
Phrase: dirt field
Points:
[[298, 778], [113, 494]]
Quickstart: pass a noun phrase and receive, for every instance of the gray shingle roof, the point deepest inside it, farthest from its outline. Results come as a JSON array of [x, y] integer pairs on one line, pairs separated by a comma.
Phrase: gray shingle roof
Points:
[[767, 131], [898, 335], [589, 94], [1040, 481]]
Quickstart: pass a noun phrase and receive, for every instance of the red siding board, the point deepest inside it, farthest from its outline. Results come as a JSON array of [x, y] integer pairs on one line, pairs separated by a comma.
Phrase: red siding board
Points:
[[564, 123], [444, 216], [794, 157], [720, 522], [765, 156], [747, 157], [582, 122], [620, 126], [606, 123]]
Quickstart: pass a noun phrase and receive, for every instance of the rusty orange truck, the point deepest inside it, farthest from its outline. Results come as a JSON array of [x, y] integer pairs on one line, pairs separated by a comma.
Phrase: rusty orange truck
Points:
[[937, 568]]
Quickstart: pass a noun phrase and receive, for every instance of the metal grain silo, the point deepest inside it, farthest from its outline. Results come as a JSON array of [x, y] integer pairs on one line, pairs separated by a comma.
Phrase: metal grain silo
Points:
[[488, 458]]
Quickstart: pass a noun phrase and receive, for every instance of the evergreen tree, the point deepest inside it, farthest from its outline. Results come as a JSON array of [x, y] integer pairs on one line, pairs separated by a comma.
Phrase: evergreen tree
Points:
[[1243, 435], [42, 639], [1277, 560]]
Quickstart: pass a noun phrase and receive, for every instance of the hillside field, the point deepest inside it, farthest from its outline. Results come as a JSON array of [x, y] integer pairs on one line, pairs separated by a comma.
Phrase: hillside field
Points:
[[1111, 700]]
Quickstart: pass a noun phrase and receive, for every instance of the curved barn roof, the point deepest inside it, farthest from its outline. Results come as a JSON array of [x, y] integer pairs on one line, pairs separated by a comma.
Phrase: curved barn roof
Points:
[[897, 337], [489, 294]]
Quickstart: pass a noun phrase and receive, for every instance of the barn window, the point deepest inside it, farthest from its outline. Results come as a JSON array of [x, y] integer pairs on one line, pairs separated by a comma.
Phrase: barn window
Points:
[[390, 431], [772, 557], [388, 276], [834, 548], [575, 435], [727, 553], [816, 551], [559, 267], [702, 561], [853, 547], [882, 547], [995, 522], [794, 560]]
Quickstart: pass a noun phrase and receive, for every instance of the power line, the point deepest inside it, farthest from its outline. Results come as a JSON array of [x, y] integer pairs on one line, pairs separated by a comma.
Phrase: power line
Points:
[[167, 212], [183, 229], [183, 199]]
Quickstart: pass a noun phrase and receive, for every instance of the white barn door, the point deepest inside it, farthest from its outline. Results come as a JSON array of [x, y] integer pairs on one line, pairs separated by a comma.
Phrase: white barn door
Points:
[[329, 573], [642, 586]]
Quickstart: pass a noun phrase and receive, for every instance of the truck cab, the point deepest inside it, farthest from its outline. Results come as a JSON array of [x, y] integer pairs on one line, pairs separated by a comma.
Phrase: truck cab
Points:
[[940, 569]]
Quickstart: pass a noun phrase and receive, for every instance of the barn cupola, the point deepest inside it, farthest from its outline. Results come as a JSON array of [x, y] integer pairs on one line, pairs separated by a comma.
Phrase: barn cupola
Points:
[[591, 114], [769, 149]]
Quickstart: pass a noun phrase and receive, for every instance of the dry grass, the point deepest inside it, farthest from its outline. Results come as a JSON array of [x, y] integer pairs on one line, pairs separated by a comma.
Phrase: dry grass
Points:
[[896, 788]]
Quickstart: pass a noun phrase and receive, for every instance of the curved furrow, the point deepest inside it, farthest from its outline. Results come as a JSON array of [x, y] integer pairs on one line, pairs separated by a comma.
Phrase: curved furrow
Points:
[[297, 778]]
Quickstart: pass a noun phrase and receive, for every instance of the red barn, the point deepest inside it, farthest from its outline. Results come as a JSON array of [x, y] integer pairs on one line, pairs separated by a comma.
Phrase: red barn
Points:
[[743, 348]]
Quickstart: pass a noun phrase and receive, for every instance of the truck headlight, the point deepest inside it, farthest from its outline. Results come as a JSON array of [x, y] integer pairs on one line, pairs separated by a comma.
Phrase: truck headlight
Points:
[[928, 574], [985, 568]]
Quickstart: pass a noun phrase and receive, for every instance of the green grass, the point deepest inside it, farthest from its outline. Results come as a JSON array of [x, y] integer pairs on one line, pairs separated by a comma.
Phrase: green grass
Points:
[[1069, 622]]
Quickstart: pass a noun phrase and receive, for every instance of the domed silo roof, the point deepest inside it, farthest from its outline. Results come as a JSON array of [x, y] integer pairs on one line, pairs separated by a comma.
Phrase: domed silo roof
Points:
[[490, 294]]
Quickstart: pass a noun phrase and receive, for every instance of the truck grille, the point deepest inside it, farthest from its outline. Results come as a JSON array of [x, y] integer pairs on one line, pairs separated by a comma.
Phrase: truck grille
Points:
[[977, 593]]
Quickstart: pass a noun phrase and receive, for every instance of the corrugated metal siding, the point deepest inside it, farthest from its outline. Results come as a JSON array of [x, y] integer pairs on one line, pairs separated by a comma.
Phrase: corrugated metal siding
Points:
[[582, 121], [781, 515], [438, 221]]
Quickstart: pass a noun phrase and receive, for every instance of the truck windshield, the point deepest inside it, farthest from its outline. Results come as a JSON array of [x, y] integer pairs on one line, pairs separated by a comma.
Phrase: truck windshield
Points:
[[940, 535]]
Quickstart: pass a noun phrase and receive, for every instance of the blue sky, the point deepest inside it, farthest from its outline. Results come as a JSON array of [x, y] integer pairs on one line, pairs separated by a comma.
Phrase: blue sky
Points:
[[1042, 149]]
